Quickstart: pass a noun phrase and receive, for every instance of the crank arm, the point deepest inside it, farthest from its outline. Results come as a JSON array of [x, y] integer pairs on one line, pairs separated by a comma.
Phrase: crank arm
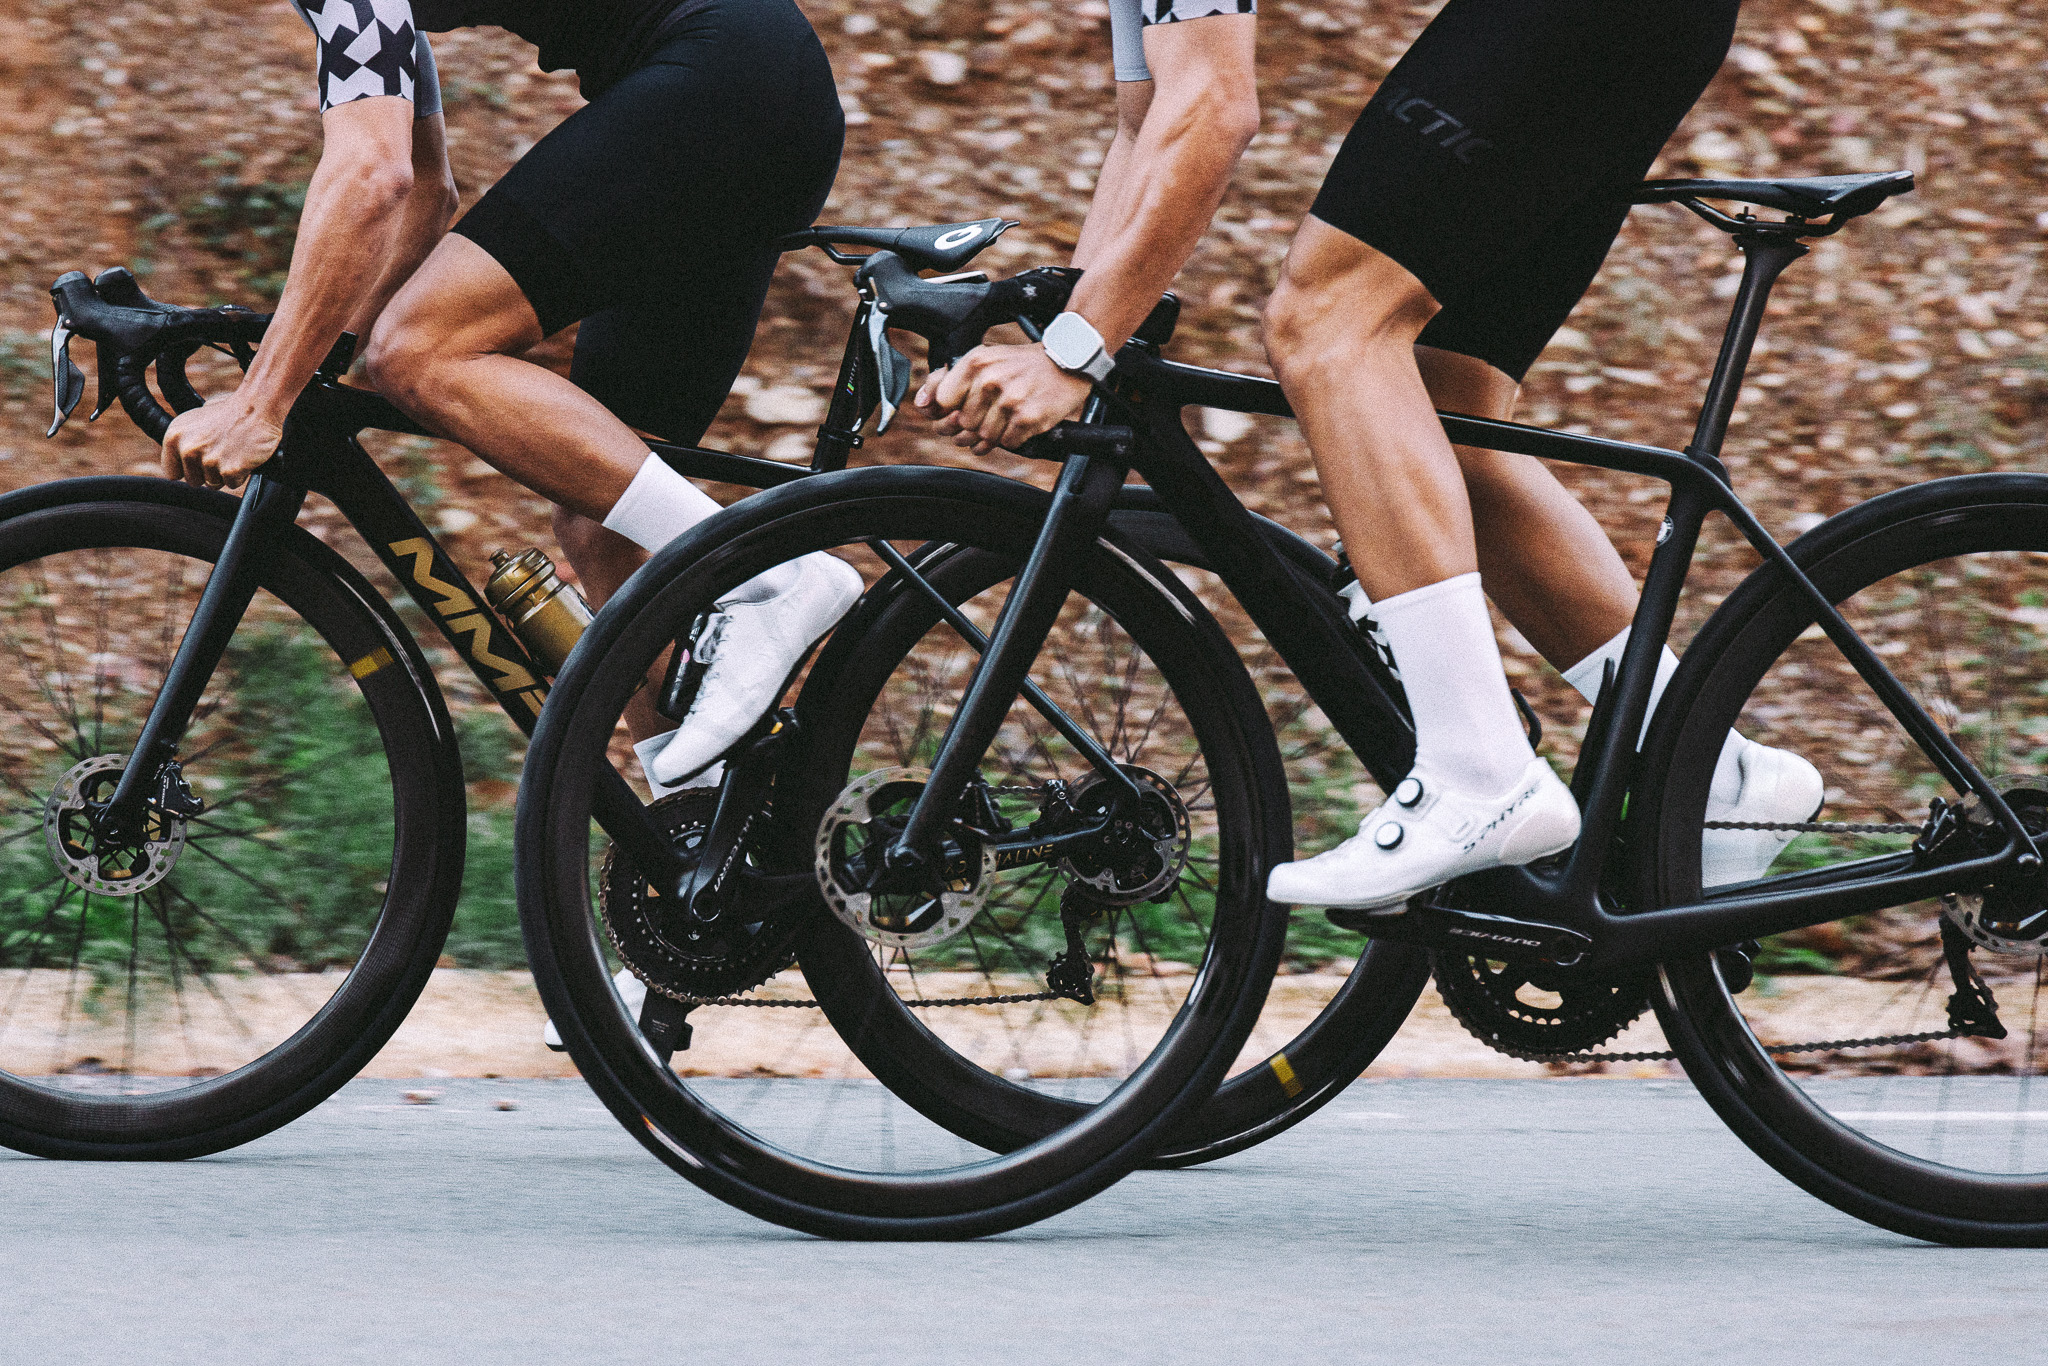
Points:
[[748, 779]]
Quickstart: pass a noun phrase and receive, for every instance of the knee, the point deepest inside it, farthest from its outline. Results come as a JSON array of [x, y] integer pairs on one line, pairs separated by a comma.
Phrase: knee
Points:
[[398, 360], [1337, 307]]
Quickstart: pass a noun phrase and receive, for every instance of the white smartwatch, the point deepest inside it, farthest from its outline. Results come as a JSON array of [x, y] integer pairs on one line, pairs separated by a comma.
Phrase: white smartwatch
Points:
[[1072, 343]]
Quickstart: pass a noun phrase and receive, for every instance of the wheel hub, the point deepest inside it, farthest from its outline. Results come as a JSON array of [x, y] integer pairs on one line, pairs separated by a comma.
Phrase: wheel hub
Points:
[[2005, 918], [111, 870], [863, 822]]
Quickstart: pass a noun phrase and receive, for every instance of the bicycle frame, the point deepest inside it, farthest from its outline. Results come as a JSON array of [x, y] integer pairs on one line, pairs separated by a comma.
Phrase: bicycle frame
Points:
[[1555, 910]]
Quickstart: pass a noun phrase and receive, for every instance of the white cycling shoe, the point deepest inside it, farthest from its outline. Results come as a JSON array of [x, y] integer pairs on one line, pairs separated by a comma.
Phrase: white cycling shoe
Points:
[[632, 991], [1428, 833], [751, 649], [1761, 784]]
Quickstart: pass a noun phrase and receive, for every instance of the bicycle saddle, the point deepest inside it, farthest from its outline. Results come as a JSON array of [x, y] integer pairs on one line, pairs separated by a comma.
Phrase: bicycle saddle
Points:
[[945, 246], [1819, 196]]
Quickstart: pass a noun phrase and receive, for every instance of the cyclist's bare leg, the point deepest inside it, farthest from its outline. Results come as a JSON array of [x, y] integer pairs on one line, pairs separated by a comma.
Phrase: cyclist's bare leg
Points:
[[1341, 328], [447, 352], [1546, 563], [604, 560]]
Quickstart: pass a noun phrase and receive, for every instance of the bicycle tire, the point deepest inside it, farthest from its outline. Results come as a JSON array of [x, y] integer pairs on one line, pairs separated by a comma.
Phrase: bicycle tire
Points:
[[315, 616], [1905, 1132], [975, 1195], [1258, 1102]]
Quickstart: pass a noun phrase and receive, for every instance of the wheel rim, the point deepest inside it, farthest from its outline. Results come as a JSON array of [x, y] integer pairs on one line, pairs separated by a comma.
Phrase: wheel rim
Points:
[[896, 1164], [1955, 1126]]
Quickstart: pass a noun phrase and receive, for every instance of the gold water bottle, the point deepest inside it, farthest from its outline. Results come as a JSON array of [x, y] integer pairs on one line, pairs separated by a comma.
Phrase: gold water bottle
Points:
[[546, 614]]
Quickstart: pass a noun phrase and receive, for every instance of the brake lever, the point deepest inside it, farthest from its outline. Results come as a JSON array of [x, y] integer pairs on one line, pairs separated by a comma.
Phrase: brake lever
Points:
[[67, 381], [892, 368]]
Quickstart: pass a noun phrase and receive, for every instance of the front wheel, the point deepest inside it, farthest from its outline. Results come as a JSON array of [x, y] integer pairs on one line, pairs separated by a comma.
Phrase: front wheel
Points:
[[1832, 1051], [852, 1062], [241, 962]]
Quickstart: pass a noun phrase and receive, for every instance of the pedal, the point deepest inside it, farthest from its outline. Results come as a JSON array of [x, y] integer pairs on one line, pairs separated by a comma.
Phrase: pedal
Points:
[[665, 1021], [1471, 932]]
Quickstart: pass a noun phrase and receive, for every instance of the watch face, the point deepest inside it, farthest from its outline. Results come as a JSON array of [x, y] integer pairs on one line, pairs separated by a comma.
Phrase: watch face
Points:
[[1071, 342]]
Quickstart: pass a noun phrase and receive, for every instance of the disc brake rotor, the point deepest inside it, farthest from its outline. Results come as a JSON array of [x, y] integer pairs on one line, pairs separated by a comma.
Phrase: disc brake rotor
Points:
[[2006, 920], [1138, 858], [864, 820], [677, 957], [68, 832]]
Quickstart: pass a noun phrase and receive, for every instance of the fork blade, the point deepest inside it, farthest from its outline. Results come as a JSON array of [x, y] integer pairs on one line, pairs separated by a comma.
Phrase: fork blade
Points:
[[67, 379]]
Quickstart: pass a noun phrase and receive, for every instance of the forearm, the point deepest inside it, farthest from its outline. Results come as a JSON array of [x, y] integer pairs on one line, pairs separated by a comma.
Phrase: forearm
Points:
[[1173, 191], [351, 223], [1111, 205], [1155, 200], [429, 210]]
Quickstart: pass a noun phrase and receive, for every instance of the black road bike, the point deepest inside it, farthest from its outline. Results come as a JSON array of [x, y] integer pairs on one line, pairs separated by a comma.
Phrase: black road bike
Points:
[[1865, 1017], [237, 823]]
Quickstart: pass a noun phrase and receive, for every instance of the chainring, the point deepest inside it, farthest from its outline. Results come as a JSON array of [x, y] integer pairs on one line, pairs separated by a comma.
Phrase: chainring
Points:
[[1137, 860], [2004, 920], [1518, 1009], [739, 953]]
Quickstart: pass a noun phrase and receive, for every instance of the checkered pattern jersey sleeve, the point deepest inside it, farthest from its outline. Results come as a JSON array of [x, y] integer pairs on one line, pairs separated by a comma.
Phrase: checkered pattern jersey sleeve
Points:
[[370, 47], [1128, 20]]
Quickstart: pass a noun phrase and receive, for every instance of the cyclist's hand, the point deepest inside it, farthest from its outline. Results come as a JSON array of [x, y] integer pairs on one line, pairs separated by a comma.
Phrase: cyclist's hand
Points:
[[1000, 396], [221, 445]]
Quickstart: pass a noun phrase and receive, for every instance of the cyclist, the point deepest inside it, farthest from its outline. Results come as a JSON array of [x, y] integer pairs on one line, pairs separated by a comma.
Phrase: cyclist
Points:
[[1466, 213], [650, 216]]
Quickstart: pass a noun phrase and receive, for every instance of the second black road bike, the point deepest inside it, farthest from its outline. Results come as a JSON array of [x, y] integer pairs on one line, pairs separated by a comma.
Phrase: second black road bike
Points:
[[1895, 643]]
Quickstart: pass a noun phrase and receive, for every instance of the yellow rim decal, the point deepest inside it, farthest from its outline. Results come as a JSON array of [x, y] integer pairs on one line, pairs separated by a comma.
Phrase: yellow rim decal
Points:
[[371, 662], [1289, 1083]]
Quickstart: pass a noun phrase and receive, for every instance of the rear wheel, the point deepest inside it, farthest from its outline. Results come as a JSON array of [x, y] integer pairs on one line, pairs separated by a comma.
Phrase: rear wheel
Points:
[[855, 1093], [883, 701], [1832, 1051], [240, 964]]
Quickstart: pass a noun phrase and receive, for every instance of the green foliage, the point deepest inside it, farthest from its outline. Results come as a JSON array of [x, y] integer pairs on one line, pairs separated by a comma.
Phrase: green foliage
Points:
[[24, 363], [284, 872], [252, 227]]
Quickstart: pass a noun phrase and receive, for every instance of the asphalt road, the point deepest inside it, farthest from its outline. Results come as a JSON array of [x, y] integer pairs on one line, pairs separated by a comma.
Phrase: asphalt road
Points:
[[1580, 1222]]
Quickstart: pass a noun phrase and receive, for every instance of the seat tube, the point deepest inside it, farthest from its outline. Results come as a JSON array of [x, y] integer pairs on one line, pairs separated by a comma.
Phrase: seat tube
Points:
[[266, 506], [1080, 509]]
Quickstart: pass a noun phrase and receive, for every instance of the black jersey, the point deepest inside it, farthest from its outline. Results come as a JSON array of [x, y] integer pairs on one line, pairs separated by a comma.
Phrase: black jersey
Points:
[[379, 47]]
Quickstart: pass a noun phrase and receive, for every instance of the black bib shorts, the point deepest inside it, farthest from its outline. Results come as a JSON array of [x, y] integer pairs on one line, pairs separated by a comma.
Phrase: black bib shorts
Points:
[[1493, 160], [650, 214]]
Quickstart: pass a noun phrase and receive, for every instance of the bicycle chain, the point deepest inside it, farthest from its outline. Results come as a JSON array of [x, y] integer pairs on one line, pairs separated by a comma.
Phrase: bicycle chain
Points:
[[1819, 827], [1825, 1046], [916, 1004]]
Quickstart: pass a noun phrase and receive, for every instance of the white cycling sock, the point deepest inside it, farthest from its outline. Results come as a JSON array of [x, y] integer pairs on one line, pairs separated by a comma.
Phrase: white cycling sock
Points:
[[1466, 728], [660, 505], [1587, 673]]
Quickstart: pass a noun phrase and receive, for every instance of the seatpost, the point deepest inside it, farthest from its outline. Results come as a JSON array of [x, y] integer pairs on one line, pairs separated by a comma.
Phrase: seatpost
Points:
[[1765, 256], [266, 506]]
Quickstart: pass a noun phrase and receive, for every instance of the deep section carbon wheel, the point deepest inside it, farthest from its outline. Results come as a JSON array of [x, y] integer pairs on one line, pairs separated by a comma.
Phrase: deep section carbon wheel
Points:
[[295, 877], [1069, 1021], [1889, 1062]]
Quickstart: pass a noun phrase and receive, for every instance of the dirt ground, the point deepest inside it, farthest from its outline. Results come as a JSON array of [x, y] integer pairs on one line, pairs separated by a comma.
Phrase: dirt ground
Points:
[[485, 1024]]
